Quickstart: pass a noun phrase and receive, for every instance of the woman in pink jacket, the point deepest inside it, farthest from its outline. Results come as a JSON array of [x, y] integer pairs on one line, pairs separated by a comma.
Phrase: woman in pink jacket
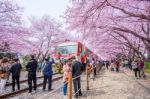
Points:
[[66, 69]]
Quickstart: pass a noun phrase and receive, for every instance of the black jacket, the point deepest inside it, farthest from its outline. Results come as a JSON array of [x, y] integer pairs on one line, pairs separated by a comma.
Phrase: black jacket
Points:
[[16, 69], [76, 68], [32, 66]]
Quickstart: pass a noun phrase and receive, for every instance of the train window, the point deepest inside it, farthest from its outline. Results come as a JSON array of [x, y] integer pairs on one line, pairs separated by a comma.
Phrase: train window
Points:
[[70, 49]]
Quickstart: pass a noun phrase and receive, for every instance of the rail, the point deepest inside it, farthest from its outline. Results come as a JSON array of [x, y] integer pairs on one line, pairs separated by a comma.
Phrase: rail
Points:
[[23, 81], [70, 93], [24, 89]]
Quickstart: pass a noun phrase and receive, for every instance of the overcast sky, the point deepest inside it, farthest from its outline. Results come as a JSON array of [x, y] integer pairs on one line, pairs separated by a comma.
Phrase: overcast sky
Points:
[[38, 8]]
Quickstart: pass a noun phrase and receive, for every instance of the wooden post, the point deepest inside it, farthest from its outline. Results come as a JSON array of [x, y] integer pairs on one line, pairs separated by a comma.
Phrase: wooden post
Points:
[[93, 71], [70, 86], [98, 65], [87, 77]]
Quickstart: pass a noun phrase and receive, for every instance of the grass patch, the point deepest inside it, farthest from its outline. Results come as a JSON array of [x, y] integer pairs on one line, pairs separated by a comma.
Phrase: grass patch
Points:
[[147, 71]]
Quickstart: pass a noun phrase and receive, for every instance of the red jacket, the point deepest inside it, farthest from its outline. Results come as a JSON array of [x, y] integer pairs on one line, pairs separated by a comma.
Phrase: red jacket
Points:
[[140, 64], [117, 64]]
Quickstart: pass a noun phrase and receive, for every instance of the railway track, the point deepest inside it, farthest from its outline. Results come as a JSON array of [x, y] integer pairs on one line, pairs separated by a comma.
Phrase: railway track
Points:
[[23, 81], [7, 95]]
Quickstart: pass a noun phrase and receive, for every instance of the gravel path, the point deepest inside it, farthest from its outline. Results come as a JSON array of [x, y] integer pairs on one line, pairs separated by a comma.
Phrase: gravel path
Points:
[[107, 85], [112, 85]]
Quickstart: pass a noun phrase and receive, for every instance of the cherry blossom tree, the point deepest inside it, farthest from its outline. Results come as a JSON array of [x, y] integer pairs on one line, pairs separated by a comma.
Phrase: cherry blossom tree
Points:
[[40, 38], [126, 21], [12, 30], [46, 33]]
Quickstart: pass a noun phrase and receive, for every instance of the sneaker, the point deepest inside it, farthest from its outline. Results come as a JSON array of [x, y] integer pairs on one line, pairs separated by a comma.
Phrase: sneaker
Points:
[[65, 97]]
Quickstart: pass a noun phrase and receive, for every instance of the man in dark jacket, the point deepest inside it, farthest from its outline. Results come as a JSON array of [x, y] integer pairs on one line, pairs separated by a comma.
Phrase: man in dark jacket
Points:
[[32, 68], [76, 72], [15, 70], [47, 72]]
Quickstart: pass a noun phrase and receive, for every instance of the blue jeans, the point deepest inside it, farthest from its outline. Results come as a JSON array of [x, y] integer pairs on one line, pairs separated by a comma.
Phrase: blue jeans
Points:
[[77, 86], [65, 88]]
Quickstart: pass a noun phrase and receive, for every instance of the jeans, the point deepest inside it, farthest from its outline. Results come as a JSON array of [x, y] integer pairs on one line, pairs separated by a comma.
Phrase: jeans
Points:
[[65, 88], [49, 78], [15, 79], [77, 86]]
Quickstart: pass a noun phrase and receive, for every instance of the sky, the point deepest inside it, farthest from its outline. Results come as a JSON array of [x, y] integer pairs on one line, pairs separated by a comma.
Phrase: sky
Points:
[[38, 8]]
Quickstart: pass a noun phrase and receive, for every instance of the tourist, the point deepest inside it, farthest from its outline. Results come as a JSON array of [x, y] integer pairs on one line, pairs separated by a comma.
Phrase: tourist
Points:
[[129, 64], [76, 73], [140, 65], [66, 70], [117, 65], [47, 72], [15, 70], [32, 68], [112, 66], [94, 66], [4, 73], [135, 68], [107, 64], [6, 65]]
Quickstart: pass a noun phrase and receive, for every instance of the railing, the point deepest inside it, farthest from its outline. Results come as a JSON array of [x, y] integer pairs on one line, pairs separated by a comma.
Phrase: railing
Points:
[[70, 93]]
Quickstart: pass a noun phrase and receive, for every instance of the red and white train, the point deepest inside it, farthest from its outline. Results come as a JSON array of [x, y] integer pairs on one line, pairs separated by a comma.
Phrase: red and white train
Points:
[[68, 49]]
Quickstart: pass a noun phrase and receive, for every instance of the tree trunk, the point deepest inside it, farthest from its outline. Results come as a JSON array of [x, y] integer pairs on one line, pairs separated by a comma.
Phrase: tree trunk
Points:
[[148, 54]]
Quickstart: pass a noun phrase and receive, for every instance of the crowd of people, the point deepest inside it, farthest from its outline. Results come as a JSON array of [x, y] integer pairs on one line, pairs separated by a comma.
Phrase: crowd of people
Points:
[[14, 68], [69, 65], [72, 65], [136, 65], [76, 67]]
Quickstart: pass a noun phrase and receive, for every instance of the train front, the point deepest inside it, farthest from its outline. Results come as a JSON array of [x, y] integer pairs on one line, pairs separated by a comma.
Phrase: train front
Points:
[[66, 50]]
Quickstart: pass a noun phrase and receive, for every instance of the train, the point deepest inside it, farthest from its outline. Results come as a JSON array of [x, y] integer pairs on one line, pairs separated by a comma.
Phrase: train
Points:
[[77, 49], [69, 49]]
